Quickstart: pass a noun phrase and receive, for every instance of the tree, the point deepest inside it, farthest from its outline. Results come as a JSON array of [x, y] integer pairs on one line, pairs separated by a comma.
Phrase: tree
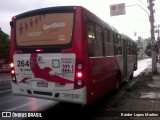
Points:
[[148, 50], [4, 46]]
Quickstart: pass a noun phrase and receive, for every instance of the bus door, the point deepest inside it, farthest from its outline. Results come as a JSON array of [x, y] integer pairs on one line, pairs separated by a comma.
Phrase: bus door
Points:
[[125, 58]]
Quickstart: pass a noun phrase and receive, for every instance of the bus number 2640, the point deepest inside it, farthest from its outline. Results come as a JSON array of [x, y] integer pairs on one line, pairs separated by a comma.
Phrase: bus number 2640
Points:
[[22, 63]]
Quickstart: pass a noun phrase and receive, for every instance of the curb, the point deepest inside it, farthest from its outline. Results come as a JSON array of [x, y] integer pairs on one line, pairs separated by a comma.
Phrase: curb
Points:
[[132, 82], [5, 91]]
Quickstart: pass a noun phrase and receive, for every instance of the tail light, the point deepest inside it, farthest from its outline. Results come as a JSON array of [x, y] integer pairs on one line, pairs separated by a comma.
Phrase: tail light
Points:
[[39, 50], [11, 65], [79, 76], [13, 73]]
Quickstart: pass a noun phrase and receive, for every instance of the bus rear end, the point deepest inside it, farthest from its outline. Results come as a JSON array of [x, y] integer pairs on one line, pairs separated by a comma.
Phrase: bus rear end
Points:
[[45, 63]]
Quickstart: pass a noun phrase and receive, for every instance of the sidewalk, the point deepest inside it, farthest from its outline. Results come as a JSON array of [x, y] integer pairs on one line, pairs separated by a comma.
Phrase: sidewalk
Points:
[[139, 99]]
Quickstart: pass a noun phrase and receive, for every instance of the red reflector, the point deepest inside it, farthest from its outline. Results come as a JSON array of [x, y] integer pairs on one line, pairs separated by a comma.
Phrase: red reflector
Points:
[[92, 93]]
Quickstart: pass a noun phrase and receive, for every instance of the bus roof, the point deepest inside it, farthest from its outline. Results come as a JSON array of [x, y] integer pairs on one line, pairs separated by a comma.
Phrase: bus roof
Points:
[[125, 36], [46, 10]]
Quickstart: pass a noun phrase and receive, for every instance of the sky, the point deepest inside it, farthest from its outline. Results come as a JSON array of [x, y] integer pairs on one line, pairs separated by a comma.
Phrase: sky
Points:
[[135, 20]]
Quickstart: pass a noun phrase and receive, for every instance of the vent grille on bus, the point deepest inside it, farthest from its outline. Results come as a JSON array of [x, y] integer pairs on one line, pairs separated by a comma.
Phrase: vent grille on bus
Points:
[[43, 93]]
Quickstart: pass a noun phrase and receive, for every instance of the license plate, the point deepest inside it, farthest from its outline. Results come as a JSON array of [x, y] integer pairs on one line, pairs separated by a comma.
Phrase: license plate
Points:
[[42, 84]]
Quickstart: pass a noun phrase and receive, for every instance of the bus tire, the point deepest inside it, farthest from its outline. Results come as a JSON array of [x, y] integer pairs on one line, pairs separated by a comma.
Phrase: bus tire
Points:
[[118, 82], [131, 77]]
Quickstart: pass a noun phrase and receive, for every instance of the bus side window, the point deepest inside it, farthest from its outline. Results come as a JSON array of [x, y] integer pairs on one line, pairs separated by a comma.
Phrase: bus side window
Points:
[[111, 36], [99, 40], [95, 39], [109, 47], [106, 35], [90, 29], [118, 45], [128, 48], [91, 38]]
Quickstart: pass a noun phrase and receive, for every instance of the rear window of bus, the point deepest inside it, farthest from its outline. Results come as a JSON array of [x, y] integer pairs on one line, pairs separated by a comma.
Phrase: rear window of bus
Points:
[[46, 29]]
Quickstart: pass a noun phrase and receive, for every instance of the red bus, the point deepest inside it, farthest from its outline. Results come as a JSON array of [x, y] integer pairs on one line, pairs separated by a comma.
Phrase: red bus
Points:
[[68, 54]]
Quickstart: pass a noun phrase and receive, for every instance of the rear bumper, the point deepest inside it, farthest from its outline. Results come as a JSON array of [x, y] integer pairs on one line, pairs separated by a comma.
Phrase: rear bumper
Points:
[[78, 96]]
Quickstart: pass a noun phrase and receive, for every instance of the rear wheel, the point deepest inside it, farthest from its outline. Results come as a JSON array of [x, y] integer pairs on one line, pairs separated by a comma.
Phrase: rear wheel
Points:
[[131, 77], [118, 82]]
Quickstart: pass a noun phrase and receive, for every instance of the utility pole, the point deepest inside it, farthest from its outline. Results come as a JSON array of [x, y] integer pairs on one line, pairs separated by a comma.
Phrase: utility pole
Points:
[[158, 26], [158, 40], [158, 34], [153, 42]]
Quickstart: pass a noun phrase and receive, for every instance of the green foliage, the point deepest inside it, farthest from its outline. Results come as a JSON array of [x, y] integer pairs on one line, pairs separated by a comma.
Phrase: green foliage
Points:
[[4, 46], [148, 50]]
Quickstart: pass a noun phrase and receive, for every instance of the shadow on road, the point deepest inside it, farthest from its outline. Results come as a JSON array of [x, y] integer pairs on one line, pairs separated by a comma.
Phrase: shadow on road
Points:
[[63, 111]]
